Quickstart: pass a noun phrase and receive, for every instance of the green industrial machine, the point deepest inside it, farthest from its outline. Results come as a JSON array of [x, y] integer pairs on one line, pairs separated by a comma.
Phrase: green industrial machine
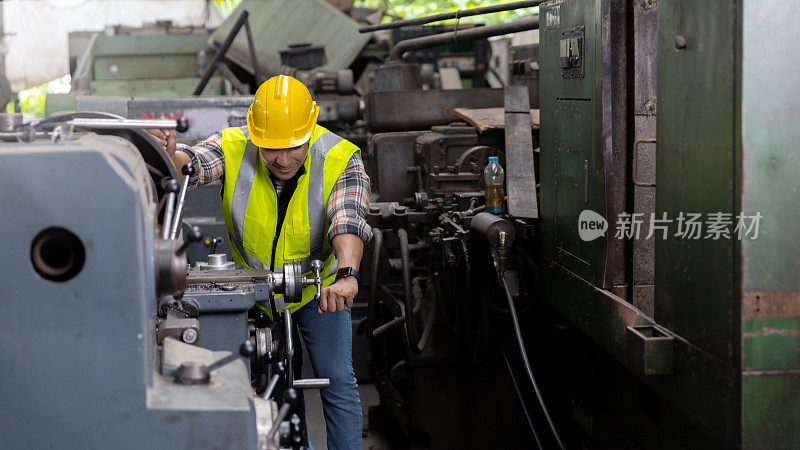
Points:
[[694, 337], [168, 65], [159, 61]]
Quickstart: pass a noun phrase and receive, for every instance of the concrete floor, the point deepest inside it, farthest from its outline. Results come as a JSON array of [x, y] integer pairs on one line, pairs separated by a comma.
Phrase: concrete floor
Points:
[[316, 421]]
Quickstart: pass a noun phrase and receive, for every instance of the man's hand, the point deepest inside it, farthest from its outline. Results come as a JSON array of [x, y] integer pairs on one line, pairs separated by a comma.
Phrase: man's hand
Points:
[[167, 140], [336, 296]]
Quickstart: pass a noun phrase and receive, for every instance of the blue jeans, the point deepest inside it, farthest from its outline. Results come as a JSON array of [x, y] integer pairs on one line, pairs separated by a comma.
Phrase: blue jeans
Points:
[[329, 340]]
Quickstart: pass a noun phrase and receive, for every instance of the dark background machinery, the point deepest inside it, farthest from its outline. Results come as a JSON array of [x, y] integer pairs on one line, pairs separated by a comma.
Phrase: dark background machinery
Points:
[[661, 342]]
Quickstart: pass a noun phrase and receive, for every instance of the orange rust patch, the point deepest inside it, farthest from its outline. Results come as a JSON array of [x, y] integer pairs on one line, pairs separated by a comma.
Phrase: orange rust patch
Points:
[[757, 305]]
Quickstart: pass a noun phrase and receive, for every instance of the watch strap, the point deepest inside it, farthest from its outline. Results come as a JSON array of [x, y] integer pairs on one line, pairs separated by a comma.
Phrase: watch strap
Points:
[[345, 272]]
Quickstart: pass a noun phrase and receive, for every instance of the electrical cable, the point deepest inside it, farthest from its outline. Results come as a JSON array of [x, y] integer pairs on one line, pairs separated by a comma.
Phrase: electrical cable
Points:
[[527, 363], [521, 400]]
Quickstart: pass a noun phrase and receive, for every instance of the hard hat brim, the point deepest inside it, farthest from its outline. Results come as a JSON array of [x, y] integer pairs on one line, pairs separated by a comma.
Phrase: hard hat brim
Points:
[[283, 143], [280, 144]]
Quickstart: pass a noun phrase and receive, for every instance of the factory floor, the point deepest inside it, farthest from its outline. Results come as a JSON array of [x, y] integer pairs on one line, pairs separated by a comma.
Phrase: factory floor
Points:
[[372, 440]]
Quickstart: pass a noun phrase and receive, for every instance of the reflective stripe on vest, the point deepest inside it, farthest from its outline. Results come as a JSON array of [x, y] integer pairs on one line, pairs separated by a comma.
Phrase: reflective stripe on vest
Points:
[[250, 205], [316, 200]]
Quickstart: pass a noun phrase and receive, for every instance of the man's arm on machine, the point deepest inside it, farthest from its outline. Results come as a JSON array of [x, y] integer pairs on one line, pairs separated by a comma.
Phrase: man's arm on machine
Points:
[[206, 156], [348, 248], [348, 232]]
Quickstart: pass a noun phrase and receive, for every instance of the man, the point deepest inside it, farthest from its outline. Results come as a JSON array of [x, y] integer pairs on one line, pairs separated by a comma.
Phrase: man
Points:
[[293, 191]]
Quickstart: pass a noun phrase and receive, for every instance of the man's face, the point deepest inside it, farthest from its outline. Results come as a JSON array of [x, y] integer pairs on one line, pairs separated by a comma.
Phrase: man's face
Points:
[[284, 163]]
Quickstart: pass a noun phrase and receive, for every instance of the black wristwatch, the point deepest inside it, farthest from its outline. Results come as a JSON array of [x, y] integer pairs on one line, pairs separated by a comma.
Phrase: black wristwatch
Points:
[[345, 272]]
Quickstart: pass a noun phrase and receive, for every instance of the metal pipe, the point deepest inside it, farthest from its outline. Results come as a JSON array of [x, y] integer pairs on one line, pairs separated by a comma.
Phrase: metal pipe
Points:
[[452, 15], [277, 423], [426, 331], [123, 124], [312, 383], [287, 331], [377, 237], [221, 53], [168, 213], [252, 50], [271, 386], [472, 34], [176, 221], [401, 319]]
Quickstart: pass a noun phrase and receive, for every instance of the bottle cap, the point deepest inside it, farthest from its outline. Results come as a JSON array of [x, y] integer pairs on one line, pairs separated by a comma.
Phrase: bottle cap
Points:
[[493, 159]]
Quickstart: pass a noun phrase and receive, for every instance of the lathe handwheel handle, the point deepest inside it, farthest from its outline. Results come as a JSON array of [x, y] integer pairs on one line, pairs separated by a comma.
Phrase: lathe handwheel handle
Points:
[[316, 266]]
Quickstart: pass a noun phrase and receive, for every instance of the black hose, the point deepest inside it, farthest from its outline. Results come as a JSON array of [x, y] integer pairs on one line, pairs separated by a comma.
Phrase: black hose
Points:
[[521, 400], [449, 322], [527, 363], [416, 292], [372, 312], [426, 331], [411, 326]]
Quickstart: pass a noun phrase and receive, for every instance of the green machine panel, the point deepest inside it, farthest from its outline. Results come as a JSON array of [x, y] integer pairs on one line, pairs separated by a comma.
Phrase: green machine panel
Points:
[[582, 135], [125, 57], [573, 158], [694, 276]]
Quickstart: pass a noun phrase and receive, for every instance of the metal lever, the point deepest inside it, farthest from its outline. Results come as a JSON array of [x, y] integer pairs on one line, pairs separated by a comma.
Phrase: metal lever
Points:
[[170, 187], [180, 124], [316, 266], [312, 383], [196, 373], [187, 170], [290, 398], [247, 349]]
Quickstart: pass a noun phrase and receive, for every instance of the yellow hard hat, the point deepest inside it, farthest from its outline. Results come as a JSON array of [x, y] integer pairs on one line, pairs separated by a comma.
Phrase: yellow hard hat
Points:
[[282, 115]]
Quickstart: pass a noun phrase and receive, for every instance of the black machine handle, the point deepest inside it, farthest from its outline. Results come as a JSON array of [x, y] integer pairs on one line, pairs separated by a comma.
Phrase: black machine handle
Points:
[[247, 349], [192, 236]]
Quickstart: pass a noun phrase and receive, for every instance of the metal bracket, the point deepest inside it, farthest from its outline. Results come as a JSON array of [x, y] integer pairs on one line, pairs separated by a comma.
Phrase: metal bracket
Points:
[[650, 349]]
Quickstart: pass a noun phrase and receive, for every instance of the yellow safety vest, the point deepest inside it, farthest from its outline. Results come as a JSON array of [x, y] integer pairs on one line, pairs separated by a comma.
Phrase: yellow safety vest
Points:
[[250, 206]]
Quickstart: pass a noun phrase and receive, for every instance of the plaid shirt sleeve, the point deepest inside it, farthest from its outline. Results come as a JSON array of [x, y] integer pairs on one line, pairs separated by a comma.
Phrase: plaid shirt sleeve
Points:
[[207, 159], [347, 205]]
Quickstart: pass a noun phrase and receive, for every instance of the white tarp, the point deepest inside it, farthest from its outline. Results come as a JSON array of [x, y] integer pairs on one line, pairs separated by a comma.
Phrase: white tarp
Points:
[[36, 48]]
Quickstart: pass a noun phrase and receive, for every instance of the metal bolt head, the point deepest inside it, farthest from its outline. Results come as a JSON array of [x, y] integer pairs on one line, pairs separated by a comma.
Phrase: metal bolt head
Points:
[[290, 396], [247, 349], [680, 42], [189, 336]]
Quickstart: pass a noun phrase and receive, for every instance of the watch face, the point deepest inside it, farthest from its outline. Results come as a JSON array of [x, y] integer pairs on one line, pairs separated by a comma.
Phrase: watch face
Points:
[[347, 272]]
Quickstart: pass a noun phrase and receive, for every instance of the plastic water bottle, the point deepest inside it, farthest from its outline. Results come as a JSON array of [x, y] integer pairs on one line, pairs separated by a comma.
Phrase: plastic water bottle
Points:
[[494, 175]]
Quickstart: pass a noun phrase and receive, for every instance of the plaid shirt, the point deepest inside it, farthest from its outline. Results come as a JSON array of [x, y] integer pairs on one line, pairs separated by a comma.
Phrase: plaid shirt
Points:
[[347, 205]]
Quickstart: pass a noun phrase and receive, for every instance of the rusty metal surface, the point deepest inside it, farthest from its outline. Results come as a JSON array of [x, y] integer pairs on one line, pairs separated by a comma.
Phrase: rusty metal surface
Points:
[[645, 81], [419, 110], [391, 154]]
